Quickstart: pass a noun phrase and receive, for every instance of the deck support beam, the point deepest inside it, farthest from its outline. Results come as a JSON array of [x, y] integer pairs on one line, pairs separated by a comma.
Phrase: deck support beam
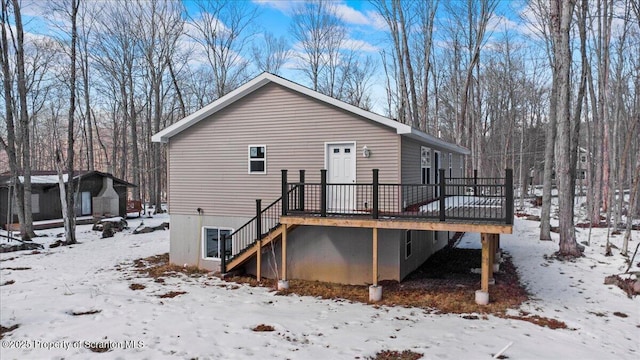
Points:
[[489, 243], [259, 260], [283, 283], [375, 291], [375, 257]]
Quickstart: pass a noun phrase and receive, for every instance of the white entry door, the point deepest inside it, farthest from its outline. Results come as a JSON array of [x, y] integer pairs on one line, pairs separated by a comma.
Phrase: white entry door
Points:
[[341, 169]]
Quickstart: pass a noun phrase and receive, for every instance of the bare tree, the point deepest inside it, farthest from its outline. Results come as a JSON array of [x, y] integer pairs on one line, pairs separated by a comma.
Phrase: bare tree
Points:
[[223, 30], [319, 31], [116, 55], [162, 26], [272, 54], [561, 18], [17, 145]]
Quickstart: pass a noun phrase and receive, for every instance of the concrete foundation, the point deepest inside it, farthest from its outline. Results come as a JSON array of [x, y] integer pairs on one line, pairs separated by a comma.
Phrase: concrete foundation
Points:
[[482, 298], [375, 293]]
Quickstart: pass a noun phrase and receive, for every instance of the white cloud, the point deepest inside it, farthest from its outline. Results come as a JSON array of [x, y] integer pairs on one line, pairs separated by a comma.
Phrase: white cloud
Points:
[[351, 15], [285, 6], [359, 45], [377, 21]]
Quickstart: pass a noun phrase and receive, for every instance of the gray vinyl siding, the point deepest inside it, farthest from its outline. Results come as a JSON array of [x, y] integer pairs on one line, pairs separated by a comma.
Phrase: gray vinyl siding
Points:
[[411, 169], [208, 161]]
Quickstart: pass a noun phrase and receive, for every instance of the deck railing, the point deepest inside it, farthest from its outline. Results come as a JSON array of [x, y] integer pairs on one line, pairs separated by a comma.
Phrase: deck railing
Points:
[[473, 199]]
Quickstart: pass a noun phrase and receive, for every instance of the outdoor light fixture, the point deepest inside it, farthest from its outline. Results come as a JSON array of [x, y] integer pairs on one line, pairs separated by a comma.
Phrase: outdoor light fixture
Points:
[[366, 152]]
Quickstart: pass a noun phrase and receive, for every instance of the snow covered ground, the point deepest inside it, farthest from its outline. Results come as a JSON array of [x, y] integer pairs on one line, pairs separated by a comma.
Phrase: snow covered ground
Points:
[[214, 319]]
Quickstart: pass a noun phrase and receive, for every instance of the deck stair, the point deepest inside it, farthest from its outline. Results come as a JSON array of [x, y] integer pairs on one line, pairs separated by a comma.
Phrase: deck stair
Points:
[[262, 230], [250, 251]]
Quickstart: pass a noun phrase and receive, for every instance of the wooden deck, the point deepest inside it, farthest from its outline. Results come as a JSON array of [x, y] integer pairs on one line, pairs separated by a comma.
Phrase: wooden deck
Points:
[[398, 223]]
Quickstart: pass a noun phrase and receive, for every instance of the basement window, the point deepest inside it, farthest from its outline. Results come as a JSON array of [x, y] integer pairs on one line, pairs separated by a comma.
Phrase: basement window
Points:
[[407, 244], [257, 159], [211, 242]]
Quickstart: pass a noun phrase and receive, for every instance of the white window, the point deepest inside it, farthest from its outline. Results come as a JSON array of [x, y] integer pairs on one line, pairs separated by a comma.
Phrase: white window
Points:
[[425, 164], [583, 158], [211, 244], [407, 244], [257, 159]]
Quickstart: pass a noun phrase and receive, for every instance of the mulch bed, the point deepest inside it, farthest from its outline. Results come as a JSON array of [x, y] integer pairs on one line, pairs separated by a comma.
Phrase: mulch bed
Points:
[[443, 284]]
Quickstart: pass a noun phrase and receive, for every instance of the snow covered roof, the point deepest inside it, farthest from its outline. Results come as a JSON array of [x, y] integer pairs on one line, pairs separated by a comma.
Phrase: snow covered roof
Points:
[[266, 78], [51, 177]]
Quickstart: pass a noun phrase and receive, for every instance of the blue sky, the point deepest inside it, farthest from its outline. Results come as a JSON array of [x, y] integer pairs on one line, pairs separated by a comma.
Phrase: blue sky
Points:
[[366, 29]]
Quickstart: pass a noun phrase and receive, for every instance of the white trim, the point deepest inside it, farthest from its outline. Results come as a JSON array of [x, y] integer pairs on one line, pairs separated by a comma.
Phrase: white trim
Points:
[[408, 235], [265, 78], [249, 160], [355, 156], [204, 240]]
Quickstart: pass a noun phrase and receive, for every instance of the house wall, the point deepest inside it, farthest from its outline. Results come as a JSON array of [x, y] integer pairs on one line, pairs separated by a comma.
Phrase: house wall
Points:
[[208, 165], [412, 174], [344, 255], [338, 255], [186, 237]]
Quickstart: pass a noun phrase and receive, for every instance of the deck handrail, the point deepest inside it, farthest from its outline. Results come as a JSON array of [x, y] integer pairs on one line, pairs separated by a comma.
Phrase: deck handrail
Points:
[[477, 199], [252, 231]]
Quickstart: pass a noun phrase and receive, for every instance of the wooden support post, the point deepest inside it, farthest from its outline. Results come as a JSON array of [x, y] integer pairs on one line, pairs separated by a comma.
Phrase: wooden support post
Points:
[[259, 260], [492, 256], [284, 252], [494, 250], [486, 262], [375, 256]]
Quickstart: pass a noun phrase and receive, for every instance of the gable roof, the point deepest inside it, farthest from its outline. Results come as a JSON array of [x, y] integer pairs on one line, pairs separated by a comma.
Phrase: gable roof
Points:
[[266, 78]]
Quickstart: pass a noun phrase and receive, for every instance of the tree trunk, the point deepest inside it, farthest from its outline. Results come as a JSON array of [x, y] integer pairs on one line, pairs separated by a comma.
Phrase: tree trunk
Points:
[[561, 16], [70, 225], [24, 195]]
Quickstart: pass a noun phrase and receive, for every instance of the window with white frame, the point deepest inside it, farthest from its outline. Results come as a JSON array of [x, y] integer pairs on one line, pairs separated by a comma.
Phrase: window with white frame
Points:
[[425, 164], [407, 244], [257, 159], [212, 244]]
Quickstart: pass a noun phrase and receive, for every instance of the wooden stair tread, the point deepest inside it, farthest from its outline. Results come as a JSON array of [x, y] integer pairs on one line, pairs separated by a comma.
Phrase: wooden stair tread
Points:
[[251, 251]]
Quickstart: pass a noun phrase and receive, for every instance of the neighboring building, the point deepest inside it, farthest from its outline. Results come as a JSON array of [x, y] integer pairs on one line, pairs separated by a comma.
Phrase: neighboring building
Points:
[[231, 152], [98, 194]]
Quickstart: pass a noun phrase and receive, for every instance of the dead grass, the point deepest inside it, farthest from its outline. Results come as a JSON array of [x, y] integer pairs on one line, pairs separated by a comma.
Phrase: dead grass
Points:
[[89, 312], [135, 286], [158, 266], [99, 347], [443, 284], [8, 282], [538, 320], [5, 330], [171, 294], [397, 355], [263, 328]]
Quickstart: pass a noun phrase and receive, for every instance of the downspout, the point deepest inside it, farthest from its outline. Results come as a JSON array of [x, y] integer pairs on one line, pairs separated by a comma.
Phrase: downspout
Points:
[[200, 211]]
